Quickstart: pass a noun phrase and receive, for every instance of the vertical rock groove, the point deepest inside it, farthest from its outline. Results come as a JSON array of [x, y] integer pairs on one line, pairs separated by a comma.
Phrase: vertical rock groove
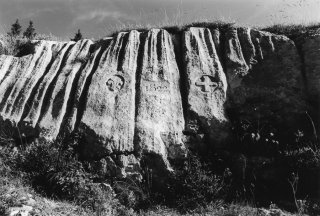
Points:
[[91, 69]]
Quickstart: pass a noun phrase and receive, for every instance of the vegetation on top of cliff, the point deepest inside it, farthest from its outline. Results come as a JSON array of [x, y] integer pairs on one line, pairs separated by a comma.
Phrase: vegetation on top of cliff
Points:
[[295, 32], [13, 41], [17, 44], [175, 29]]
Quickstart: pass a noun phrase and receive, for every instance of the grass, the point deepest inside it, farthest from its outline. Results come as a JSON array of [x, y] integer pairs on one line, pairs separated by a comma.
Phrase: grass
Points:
[[296, 32], [177, 28]]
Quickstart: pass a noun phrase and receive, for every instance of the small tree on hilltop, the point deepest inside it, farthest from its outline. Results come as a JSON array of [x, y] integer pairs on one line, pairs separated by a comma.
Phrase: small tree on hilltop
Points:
[[77, 36], [15, 29], [30, 31]]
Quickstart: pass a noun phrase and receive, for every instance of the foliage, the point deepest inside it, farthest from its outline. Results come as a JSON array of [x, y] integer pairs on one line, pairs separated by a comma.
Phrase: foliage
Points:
[[77, 36], [55, 169], [196, 184], [15, 44], [30, 31]]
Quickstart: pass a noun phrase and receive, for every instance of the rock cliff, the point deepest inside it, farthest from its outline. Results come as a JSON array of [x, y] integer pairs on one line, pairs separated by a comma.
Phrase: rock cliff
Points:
[[151, 95]]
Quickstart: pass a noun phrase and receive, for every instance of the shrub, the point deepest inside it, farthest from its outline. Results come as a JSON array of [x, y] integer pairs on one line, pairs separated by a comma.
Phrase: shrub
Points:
[[77, 36], [17, 46], [53, 168], [197, 185]]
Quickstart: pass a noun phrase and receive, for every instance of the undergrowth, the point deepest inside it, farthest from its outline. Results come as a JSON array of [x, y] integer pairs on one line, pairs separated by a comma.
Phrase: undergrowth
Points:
[[56, 170], [19, 46]]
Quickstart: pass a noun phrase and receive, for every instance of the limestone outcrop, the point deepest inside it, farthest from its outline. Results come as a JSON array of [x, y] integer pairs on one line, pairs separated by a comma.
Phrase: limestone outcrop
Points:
[[206, 85], [141, 95], [264, 75]]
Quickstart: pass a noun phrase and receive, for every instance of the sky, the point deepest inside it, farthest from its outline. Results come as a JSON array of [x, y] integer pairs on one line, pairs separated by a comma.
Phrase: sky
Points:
[[99, 18]]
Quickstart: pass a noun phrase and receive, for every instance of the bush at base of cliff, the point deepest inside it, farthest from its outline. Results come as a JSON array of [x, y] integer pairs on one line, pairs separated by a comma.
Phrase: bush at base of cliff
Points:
[[197, 185], [55, 170]]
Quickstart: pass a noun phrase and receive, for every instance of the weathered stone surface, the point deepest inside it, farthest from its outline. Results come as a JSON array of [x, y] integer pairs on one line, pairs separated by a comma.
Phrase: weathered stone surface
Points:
[[55, 108], [13, 73], [311, 54], [38, 98], [236, 66], [273, 86], [159, 122], [77, 102], [108, 119], [24, 85], [206, 85], [248, 49]]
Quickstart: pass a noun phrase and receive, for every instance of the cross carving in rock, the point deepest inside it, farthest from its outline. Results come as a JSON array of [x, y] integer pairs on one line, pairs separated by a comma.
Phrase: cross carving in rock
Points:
[[206, 82]]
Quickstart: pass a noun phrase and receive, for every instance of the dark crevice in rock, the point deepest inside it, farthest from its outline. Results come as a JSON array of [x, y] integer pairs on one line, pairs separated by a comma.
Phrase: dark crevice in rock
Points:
[[159, 45], [179, 56], [48, 93], [142, 44], [223, 61], [222, 57], [83, 98], [121, 54]]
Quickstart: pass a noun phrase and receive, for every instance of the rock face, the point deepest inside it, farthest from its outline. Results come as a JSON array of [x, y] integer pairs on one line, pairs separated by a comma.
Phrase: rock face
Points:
[[145, 95], [110, 103], [264, 75], [160, 120], [206, 85], [311, 53]]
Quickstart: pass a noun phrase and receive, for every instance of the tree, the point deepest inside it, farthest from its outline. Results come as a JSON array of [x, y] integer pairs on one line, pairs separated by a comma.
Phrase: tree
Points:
[[77, 36], [15, 29], [30, 31]]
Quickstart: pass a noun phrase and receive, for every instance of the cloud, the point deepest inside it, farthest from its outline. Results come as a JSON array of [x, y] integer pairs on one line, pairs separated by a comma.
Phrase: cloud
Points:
[[100, 16]]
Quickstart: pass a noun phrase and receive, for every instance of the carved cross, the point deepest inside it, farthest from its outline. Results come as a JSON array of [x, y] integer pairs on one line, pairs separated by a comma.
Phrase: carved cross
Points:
[[206, 83]]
